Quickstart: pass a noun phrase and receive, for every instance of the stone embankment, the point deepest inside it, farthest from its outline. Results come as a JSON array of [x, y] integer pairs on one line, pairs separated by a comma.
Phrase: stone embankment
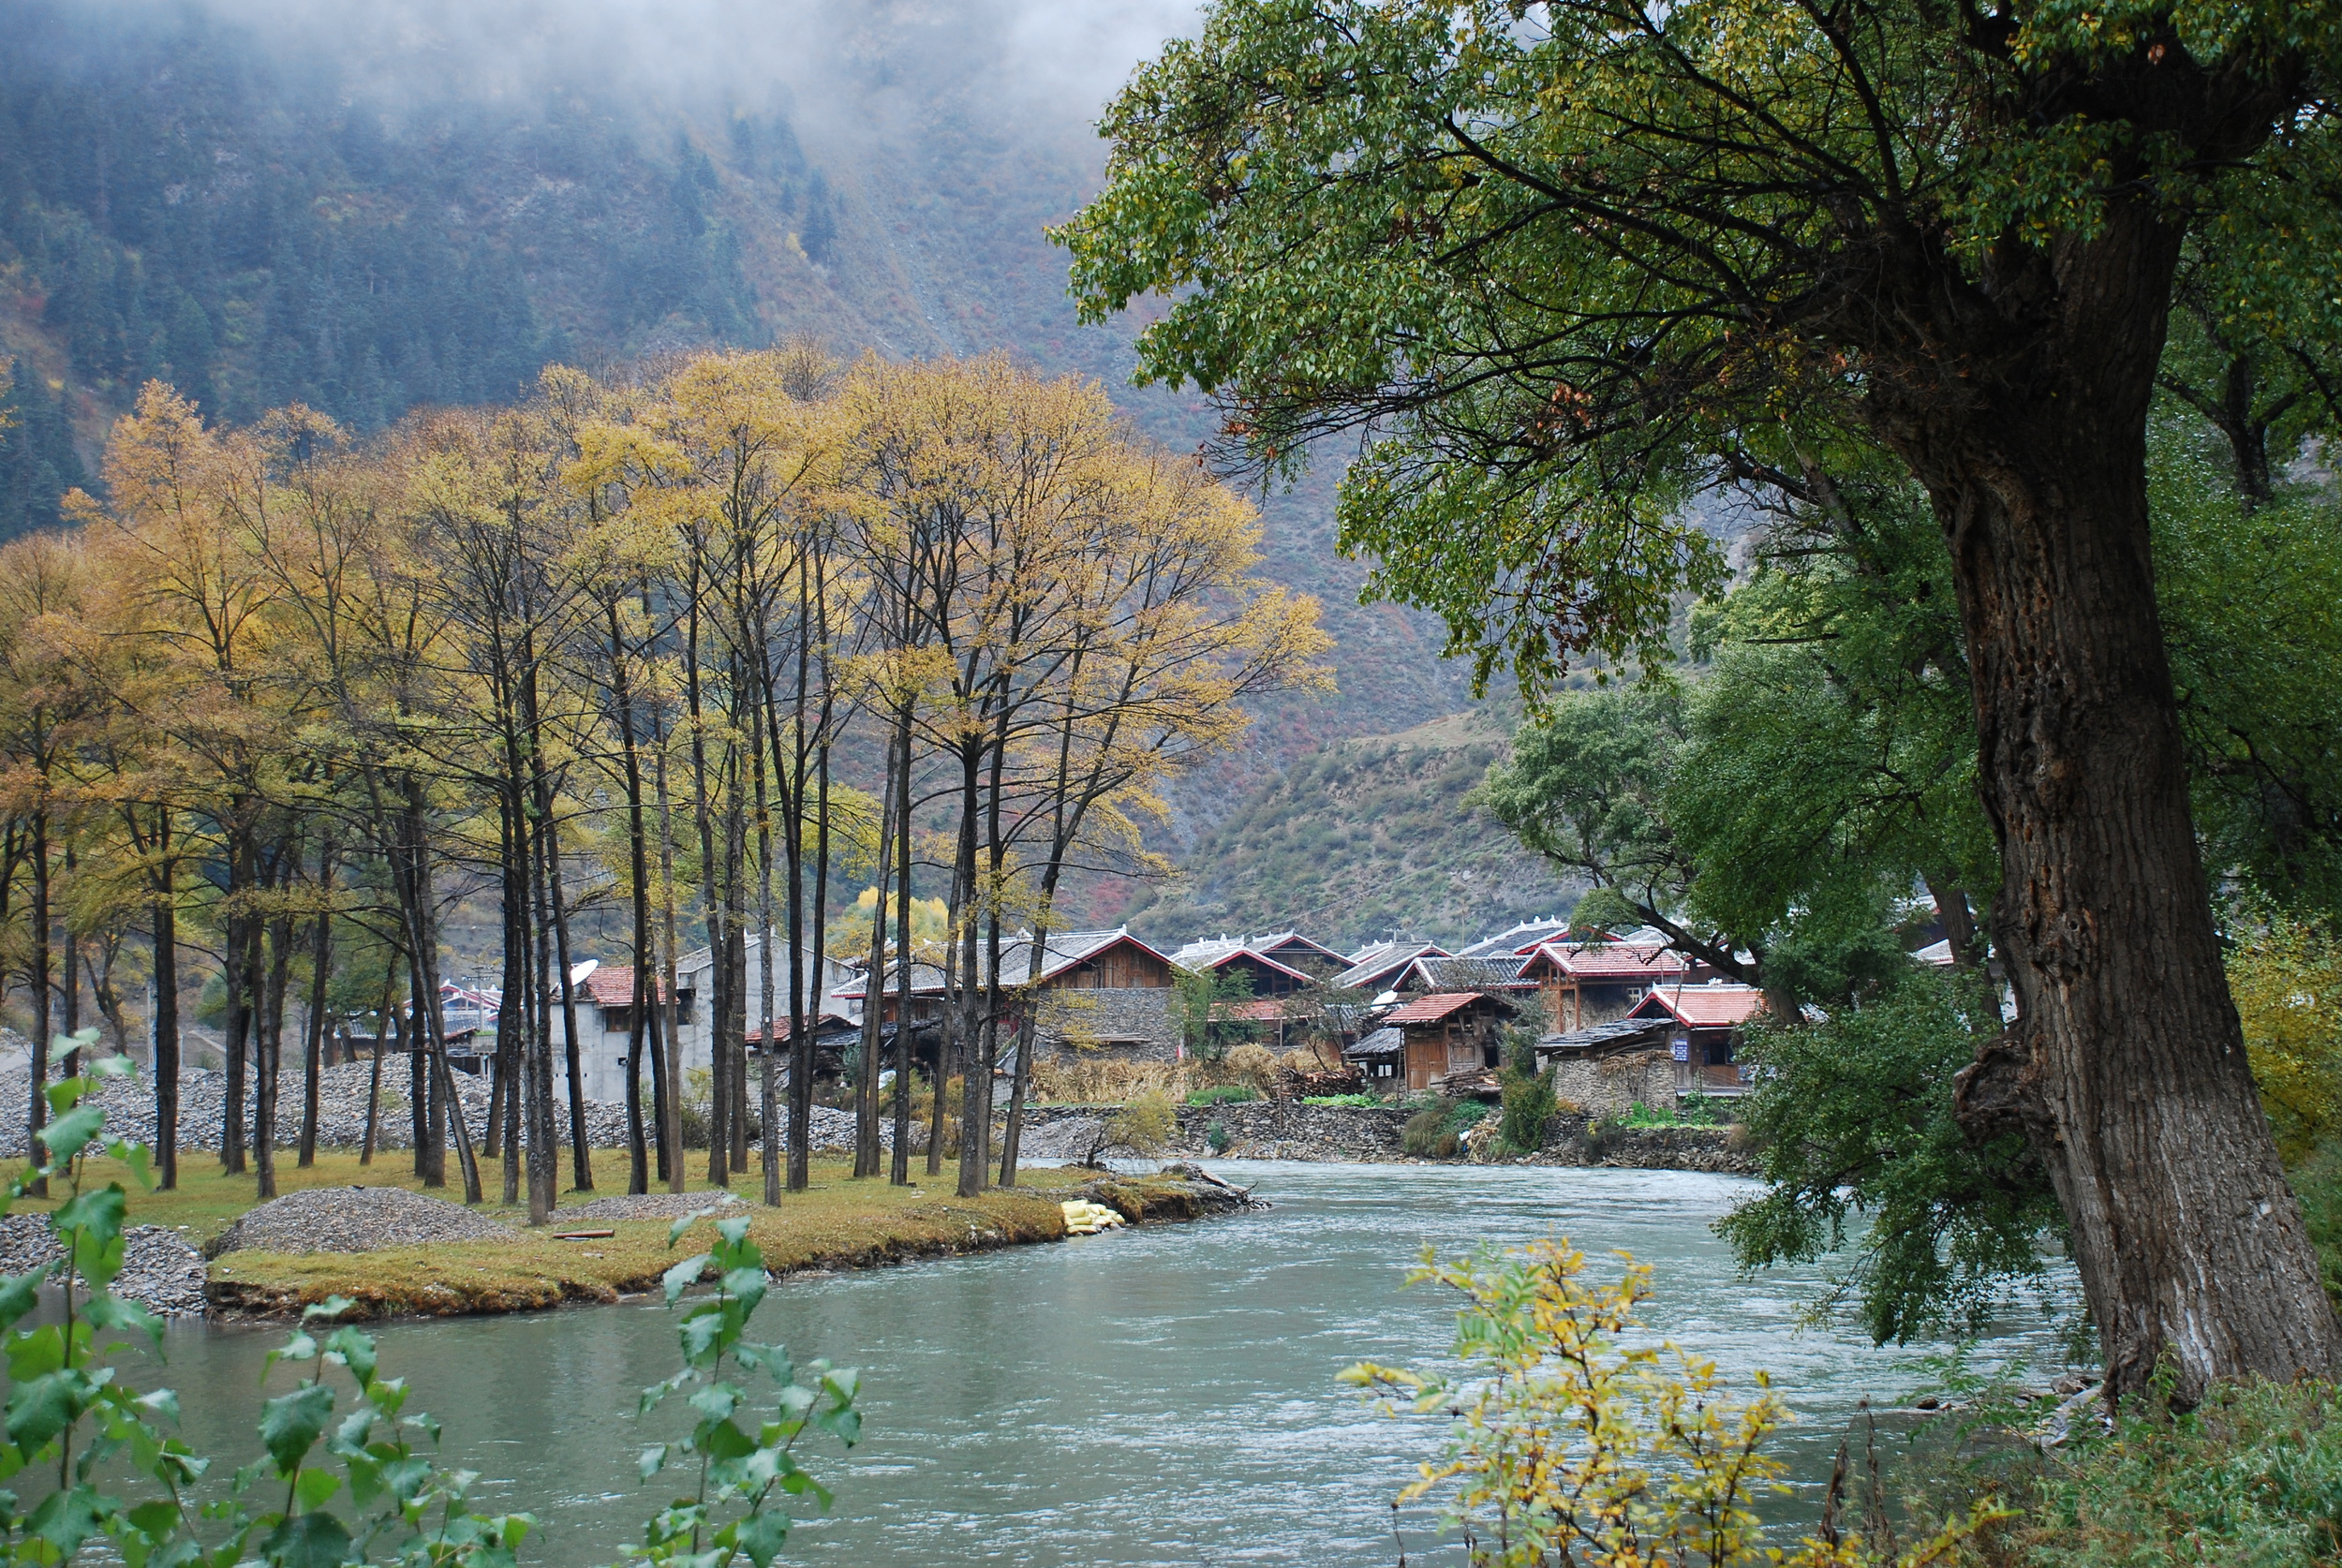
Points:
[[342, 1094], [1357, 1134]]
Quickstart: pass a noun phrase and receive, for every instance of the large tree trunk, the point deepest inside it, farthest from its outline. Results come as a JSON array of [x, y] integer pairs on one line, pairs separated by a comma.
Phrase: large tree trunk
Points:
[[2127, 1064]]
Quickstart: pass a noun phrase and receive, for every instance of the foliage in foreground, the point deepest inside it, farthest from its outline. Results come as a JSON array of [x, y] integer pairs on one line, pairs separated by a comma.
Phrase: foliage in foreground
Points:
[[2251, 1478], [1567, 1449], [1854, 1117], [71, 1415]]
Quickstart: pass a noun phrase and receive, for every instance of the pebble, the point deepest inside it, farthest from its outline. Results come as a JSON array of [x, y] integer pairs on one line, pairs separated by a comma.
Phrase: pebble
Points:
[[159, 1269], [129, 1105], [355, 1220]]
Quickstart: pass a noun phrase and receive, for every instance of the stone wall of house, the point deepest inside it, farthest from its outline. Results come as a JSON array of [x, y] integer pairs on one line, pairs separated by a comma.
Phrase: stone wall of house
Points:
[[1610, 1087], [1071, 1019]]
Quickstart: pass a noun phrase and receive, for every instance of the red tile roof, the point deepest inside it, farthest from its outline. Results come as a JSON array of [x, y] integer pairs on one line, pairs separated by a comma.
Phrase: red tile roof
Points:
[[1706, 1006], [1431, 1009], [613, 985]]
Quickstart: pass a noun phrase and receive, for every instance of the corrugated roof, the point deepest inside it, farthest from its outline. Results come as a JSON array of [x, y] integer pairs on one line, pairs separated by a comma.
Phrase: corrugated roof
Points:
[[1431, 1009], [1705, 1006], [1385, 1042]]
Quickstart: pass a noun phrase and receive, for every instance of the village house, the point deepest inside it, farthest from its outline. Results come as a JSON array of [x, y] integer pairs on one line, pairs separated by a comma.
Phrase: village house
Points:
[[1584, 983], [1270, 977], [1097, 990], [1295, 951], [1520, 942], [1678, 1039], [605, 1007], [1373, 970], [1449, 1042]]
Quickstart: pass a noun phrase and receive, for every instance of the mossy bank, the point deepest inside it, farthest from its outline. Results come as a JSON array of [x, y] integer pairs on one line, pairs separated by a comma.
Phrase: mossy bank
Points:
[[838, 1224]]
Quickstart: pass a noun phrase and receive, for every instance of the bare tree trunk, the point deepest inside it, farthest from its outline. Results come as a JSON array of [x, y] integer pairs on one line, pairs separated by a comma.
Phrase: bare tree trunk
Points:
[[38, 1065], [166, 942], [270, 1053], [866, 1104], [670, 1110], [382, 1026], [321, 963], [899, 1167]]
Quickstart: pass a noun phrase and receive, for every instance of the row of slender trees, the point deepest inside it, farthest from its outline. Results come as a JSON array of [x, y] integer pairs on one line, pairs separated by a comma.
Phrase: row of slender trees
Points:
[[690, 647]]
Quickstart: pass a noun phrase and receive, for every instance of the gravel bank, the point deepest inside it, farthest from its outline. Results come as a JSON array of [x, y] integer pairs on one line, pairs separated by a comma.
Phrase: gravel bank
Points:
[[355, 1220], [159, 1269], [342, 1111]]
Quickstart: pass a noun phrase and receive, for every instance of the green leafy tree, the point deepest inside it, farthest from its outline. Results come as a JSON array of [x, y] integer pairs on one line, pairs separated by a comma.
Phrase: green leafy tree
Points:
[[1857, 1142], [1571, 263], [1204, 1003]]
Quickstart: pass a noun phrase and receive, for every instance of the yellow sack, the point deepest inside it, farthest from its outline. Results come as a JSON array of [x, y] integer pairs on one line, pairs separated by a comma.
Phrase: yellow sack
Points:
[[1083, 1217]]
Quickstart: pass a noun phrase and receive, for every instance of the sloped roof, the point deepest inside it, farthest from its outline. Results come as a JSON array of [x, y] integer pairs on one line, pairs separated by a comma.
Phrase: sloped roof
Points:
[[1279, 942], [1466, 974], [1935, 953], [1711, 1006], [1431, 1009], [1385, 1042], [1611, 961], [1219, 954], [1262, 1010], [613, 985], [1617, 1031], [1062, 950], [828, 1021], [1383, 960], [1521, 939]]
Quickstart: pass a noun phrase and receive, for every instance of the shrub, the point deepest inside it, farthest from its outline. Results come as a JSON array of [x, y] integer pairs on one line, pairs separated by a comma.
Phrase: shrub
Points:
[[2248, 1479], [1567, 1449], [1224, 1094], [1145, 1124], [1361, 1101], [1217, 1138], [1436, 1130], [1529, 1103]]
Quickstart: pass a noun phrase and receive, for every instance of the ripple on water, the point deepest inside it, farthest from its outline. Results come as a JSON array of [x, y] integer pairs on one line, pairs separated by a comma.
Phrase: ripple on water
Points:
[[1164, 1396]]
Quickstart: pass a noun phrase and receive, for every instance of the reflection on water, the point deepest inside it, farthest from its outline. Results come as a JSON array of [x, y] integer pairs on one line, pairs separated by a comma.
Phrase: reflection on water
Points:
[[1159, 1396]]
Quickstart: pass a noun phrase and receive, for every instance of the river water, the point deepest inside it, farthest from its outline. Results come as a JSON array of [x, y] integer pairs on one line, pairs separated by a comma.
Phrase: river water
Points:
[[1162, 1395]]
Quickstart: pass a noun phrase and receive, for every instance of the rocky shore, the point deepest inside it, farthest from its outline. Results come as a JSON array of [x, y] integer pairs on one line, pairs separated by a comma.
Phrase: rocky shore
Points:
[[1357, 1134]]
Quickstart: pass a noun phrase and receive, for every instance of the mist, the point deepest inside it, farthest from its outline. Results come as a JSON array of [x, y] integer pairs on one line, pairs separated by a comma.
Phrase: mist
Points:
[[1058, 60]]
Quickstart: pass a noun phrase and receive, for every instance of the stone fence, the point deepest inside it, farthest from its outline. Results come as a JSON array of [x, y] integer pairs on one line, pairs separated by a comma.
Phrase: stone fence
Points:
[[1357, 1134]]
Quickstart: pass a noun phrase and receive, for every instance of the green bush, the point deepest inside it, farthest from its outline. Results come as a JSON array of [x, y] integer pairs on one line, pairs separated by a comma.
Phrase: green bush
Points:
[[2251, 1478], [1225, 1094], [1362, 1101], [1436, 1130], [1217, 1137], [1529, 1103]]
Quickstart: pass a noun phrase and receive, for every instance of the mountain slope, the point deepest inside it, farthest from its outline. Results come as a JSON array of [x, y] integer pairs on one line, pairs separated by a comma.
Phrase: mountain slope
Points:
[[1361, 838]]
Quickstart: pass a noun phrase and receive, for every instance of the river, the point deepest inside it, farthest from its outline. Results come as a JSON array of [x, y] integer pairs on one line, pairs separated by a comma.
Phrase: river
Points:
[[1162, 1395]]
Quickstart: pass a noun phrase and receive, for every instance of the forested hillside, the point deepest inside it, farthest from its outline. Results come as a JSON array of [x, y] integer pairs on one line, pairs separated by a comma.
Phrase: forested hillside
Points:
[[262, 220], [1362, 839]]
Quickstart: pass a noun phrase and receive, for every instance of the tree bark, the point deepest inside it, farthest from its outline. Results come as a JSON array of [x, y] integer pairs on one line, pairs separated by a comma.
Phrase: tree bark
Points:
[[166, 1053], [2126, 1062]]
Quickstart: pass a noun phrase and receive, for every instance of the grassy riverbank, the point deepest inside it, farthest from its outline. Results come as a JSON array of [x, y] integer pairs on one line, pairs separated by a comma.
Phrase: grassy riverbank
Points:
[[838, 1224]]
